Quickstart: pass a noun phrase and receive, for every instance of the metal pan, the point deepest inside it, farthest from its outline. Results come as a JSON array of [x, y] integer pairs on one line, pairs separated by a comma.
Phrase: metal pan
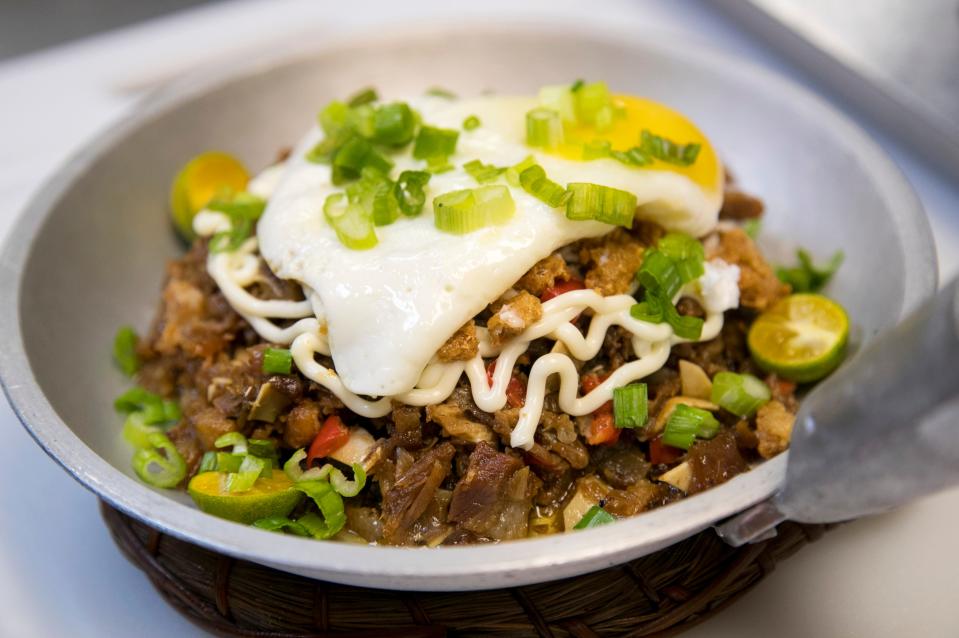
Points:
[[88, 254]]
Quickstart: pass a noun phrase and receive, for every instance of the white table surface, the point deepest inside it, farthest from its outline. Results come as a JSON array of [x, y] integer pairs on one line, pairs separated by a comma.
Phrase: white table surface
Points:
[[60, 574]]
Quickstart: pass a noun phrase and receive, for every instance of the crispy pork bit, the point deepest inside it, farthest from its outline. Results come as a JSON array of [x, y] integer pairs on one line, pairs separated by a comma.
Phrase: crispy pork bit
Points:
[[774, 426], [758, 285], [462, 346], [513, 317]]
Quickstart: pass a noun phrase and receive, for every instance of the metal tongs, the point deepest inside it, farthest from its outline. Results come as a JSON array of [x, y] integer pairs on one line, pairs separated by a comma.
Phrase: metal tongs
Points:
[[882, 431]]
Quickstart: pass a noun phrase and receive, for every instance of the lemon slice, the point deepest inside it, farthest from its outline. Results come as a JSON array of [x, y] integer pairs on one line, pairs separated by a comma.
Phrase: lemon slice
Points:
[[269, 496], [801, 338], [199, 181]]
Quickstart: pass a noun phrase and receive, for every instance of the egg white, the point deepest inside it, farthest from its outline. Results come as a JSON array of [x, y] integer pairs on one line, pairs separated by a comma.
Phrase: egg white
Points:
[[387, 310]]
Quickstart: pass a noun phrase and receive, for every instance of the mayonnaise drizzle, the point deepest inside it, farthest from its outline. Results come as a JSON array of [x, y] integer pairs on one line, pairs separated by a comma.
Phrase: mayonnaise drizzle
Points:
[[235, 271]]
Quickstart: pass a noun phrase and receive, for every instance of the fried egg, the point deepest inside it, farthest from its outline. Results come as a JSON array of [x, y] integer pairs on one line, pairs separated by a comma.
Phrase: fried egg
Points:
[[387, 310]]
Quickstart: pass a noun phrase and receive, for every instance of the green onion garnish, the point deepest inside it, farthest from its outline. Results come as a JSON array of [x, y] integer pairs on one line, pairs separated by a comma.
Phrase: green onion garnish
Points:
[[236, 440], [656, 307], [353, 226], [386, 208], [534, 181], [277, 361], [544, 129], [597, 149], [559, 98], [221, 462], [470, 123], [601, 203], [659, 273], [632, 157], [393, 124], [330, 504], [668, 151], [345, 487], [333, 118], [432, 142], [591, 102], [464, 211], [513, 172], [594, 517], [125, 350], [686, 252], [281, 524], [410, 191], [741, 394], [630, 406], [354, 156], [251, 468], [807, 277], [159, 463], [364, 96], [483, 172], [686, 423], [438, 91], [242, 209]]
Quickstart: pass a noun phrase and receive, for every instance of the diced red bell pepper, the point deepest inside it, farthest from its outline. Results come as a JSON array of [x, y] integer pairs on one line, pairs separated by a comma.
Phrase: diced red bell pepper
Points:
[[515, 389], [332, 436], [602, 430], [561, 288], [590, 382], [660, 453]]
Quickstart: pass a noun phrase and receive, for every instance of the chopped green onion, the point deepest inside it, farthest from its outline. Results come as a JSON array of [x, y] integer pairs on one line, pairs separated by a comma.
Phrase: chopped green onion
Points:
[[242, 209], [393, 124], [277, 361], [471, 122], [250, 470], [346, 487], [594, 517], [657, 308], [386, 208], [483, 172], [159, 463], [281, 524], [353, 156], [432, 142], [330, 505], [334, 118], [263, 448], [668, 151], [649, 310], [365, 96], [659, 273], [139, 399], [220, 462], [544, 129], [513, 172], [686, 423], [596, 149], [125, 350], [361, 120], [686, 252], [438, 91], [589, 100], [630, 406], [464, 211], [234, 439], [410, 192], [632, 157], [207, 463], [807, 277], [439, 164], [753, 227], [534, 181], [601, 203], [559, 98], [741, 394], [136, 430], [292, 466], [353, 227], [577, 85]]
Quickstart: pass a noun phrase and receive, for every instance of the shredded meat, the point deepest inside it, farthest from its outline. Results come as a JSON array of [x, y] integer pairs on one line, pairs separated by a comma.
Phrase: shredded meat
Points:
[[413, 491], [513, 317], [638, 497], [543, 275], [407, 426], [739, 205], [714, 461], [478, 499], [302, 424], [457, 425], [759, 287], [774, 426], [612, 261], [462, 346]]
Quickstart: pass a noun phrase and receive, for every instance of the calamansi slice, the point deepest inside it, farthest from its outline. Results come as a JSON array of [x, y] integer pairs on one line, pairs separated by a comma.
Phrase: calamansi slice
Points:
[[199, 181], [802, 337], [269, 496]]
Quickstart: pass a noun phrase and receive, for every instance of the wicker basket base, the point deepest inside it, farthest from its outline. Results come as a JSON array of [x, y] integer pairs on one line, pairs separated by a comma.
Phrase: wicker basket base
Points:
[[658, 595]]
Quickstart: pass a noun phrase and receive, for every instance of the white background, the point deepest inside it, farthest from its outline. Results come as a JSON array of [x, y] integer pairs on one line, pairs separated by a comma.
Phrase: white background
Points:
[[60, 574]]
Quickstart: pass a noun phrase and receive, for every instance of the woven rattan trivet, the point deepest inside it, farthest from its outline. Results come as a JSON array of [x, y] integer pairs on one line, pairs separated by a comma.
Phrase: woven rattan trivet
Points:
[[658, 595]]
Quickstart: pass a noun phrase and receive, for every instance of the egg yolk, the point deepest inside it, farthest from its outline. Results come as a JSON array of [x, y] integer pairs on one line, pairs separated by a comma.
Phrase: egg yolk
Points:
[[632, 116]]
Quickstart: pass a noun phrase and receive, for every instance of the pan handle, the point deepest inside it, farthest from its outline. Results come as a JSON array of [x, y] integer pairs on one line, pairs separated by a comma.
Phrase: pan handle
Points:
[[882, 431]]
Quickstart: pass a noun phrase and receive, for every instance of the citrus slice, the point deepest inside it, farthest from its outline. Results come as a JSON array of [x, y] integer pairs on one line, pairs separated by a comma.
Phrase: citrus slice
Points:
[[199, 181], [801, 338], [269, 496]]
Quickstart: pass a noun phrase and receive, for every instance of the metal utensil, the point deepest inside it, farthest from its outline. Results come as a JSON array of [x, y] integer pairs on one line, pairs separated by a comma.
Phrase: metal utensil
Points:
[[880, 433]]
